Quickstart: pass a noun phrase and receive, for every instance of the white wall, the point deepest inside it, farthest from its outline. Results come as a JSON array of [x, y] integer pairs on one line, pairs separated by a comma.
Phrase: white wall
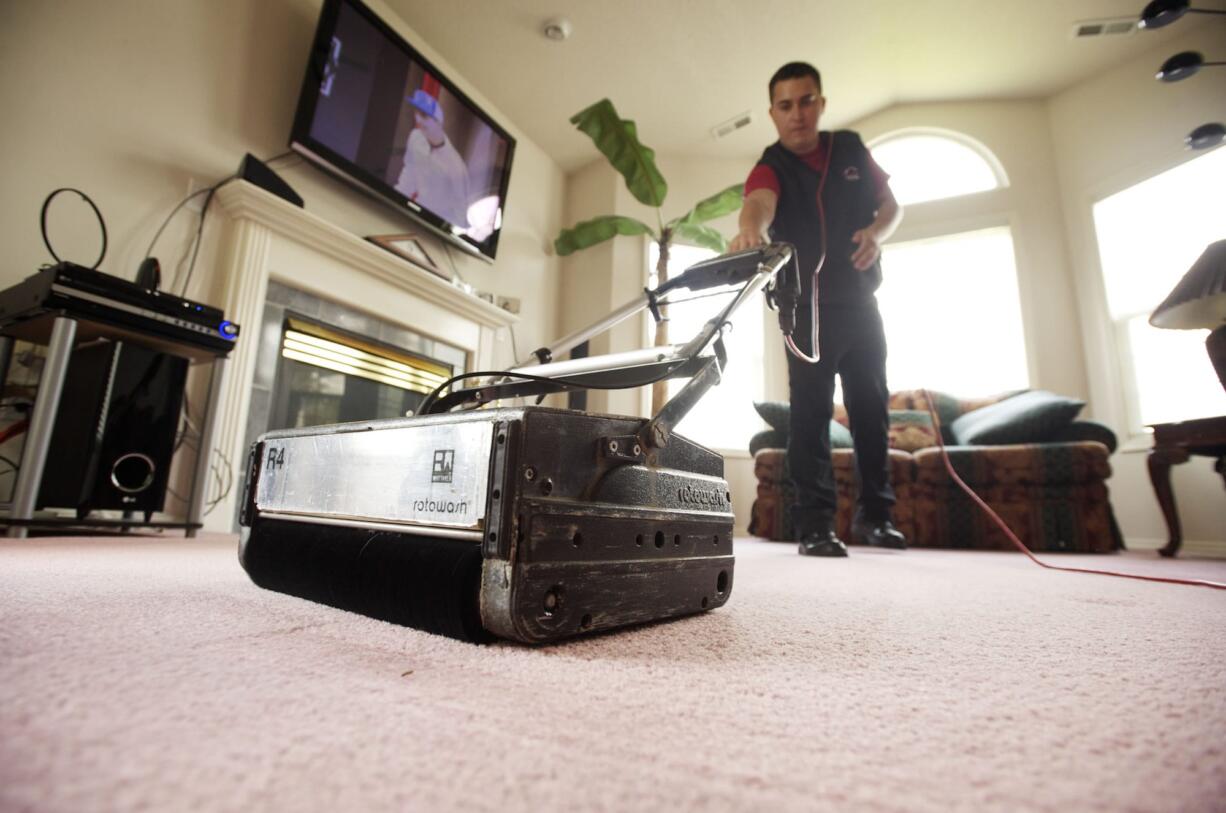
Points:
[[131, 100], [1114, 131]]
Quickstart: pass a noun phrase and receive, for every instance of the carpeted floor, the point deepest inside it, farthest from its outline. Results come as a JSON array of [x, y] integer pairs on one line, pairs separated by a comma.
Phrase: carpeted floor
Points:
[[151, 674]]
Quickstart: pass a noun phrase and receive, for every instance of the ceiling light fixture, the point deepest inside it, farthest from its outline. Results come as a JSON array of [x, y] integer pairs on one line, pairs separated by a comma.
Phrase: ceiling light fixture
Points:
[[1206, 136], [556, 28], [1183, 64], [1161, 13], [1180, 66]]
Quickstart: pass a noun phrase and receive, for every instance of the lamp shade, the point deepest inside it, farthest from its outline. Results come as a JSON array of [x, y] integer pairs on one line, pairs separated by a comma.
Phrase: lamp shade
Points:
[[1199, 299]]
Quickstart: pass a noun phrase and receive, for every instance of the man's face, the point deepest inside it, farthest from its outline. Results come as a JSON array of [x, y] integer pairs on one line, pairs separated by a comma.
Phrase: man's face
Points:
[[429, 127], [796, 107]]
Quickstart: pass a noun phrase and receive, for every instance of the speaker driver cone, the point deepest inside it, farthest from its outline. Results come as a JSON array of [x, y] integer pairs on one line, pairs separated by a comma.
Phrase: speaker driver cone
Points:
[[132, 473]]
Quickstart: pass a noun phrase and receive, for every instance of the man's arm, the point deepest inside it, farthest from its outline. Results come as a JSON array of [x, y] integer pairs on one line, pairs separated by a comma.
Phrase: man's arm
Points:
[[869, 239], [757, 213]]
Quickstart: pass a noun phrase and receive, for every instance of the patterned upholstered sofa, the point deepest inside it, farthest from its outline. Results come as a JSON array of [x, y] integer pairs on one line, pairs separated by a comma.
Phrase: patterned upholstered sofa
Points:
[[1045, 476]]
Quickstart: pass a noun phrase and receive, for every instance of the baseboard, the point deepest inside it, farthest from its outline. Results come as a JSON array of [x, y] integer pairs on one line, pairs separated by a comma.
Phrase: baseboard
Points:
[[1211, 548]]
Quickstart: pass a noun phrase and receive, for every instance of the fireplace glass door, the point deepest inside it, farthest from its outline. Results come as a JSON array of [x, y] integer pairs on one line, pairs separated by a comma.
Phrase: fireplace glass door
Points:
[[325, 376]]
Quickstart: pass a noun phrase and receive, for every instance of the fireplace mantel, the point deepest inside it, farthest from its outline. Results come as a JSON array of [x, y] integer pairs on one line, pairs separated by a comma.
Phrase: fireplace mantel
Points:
[[268, 238]]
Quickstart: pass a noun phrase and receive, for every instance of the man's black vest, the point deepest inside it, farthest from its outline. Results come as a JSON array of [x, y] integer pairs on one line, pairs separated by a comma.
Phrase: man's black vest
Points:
[[850, 202]]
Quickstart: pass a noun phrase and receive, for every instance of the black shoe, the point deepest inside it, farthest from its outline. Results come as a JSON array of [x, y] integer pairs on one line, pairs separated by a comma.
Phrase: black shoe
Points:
[[879, 534], [822, 543]]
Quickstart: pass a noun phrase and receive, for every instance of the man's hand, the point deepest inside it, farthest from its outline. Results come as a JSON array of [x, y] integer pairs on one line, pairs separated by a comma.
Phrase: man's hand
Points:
[[747, 239], [868, 248]]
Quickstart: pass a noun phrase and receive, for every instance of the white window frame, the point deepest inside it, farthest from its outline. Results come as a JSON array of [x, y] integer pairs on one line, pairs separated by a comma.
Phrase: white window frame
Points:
[[1120, 371]]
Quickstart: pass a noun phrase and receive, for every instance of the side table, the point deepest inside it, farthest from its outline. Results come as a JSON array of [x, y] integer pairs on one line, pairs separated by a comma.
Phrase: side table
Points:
[[1174, 443]]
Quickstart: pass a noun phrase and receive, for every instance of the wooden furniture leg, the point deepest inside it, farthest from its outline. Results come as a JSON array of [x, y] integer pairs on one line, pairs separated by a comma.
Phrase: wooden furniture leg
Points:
[[1159, 462]]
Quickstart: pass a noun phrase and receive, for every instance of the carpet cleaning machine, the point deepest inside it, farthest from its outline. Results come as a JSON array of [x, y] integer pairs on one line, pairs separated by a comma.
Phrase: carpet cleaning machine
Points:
[[528, 523]]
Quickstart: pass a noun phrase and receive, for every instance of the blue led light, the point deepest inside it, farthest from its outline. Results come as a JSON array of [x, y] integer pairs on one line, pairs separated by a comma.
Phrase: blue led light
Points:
[[228, 330]]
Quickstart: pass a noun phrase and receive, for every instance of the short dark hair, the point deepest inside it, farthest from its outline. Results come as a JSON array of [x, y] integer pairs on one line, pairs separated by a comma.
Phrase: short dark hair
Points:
[[794, 70]]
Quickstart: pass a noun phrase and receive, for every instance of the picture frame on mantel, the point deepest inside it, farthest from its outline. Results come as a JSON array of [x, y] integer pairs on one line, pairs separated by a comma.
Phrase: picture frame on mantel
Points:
[[408, 247]]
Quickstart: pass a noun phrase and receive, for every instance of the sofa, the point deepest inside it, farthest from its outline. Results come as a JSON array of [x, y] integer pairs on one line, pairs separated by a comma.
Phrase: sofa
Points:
[[1025, 453]]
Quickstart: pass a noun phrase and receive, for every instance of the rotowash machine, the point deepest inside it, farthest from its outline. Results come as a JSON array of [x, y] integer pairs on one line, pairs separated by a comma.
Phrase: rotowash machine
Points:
[[528, 523]]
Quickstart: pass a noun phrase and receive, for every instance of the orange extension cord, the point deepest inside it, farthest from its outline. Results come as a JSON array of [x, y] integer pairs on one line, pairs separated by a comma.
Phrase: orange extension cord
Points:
[[1017, 542]]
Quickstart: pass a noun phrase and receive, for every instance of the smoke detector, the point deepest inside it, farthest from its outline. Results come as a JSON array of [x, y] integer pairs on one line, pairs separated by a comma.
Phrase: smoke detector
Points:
[[727, 128], [556, 28], [1108, 27]]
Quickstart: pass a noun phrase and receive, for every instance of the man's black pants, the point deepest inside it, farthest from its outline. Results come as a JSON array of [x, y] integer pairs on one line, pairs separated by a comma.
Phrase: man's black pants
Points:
[[852, 344]]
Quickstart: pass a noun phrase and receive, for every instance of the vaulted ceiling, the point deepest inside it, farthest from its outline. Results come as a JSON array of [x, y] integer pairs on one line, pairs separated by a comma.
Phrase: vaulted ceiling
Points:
[[681, 67]]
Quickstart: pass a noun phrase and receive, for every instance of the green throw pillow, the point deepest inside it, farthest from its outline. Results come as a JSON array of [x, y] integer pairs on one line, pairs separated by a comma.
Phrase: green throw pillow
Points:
[[1031, 417], [775, 413], [840, 436]]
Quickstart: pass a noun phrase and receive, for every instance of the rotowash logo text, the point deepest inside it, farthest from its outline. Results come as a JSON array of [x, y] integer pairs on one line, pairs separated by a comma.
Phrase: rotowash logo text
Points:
[[442, 471]]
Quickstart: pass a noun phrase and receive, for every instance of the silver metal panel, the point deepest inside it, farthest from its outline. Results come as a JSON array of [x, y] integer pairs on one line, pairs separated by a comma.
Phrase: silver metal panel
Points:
[[434, 474]]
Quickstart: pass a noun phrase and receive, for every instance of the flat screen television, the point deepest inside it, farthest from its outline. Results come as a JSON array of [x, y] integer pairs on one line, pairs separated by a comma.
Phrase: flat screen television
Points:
[[377, 114]]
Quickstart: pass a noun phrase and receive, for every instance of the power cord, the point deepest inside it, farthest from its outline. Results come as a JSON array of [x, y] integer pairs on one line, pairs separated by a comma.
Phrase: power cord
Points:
[[210, 191], [1000, 523]]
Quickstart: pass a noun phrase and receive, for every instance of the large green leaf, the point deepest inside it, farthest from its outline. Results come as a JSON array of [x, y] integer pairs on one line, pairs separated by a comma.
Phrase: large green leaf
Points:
[[704, 236], [618, 140], [718, 205], [597, 230]]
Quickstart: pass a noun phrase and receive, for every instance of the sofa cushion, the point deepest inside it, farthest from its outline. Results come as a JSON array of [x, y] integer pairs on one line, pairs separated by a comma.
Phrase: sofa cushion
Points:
[[1030, 417], [911, 429], [1086, 430], [1037, 464], [948, 407]]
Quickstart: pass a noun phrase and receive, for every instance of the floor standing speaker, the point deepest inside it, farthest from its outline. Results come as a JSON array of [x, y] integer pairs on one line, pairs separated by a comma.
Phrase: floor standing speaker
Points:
[[114, 434]]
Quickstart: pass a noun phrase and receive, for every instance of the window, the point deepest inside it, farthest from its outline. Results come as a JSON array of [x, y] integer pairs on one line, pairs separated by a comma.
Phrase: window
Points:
[[928, 166], [724, 418], [952, 316], [1148, 237]]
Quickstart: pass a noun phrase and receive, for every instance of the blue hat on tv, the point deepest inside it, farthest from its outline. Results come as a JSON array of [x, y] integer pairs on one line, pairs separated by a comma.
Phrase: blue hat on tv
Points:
[[427, 104]]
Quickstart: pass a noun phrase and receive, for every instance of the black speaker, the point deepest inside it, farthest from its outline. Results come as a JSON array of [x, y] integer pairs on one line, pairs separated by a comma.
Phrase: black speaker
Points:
[[257, 172], [114, 434]]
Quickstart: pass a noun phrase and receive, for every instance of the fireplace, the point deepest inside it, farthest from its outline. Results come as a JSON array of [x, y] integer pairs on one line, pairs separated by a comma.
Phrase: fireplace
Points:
[[322, 362], [278, 263]]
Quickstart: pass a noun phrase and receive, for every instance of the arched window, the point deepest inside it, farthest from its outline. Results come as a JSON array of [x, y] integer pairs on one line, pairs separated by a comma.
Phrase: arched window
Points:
[[950, 301], [931, 165]]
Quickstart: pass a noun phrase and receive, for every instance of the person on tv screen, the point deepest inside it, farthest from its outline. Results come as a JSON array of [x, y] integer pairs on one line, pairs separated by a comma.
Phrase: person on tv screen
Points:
[[434, 174]]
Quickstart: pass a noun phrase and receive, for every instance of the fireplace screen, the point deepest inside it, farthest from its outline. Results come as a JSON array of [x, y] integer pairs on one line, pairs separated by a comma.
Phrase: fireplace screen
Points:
[[325, 376]]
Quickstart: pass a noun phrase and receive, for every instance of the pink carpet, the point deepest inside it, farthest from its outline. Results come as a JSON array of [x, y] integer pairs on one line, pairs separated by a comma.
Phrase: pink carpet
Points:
[[149, 674]]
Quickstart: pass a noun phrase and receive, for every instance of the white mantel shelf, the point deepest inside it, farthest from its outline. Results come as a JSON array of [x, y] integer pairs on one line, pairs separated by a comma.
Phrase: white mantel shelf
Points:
[[241, 200], [267, 237]]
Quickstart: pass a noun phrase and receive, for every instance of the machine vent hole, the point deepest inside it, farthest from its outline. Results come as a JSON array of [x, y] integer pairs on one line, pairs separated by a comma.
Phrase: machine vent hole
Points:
[[577, 539], [676, 539], [659, 539], [638, 540], [585, 623], [721, 582], [553, 599], [705, 602]]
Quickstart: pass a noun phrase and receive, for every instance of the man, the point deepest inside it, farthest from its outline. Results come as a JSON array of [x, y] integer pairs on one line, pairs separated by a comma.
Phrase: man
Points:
[[434, 174], [823, 193]]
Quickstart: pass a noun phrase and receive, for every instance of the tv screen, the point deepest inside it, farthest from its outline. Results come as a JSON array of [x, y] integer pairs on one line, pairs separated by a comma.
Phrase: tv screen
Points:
[[377, 114]]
